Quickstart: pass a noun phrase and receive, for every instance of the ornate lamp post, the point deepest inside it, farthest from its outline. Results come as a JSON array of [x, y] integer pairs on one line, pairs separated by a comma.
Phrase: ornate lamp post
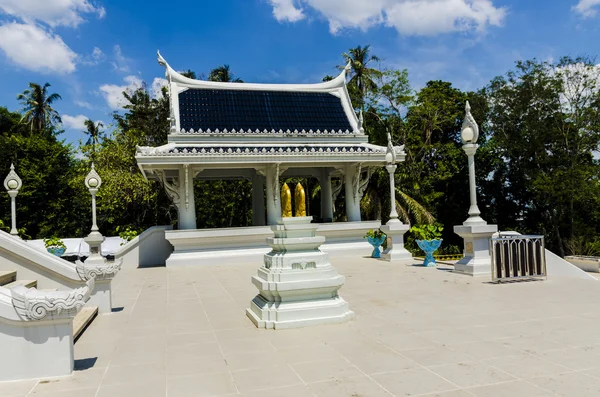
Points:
[[13, 183], [95, 238], [394, 228], [475, 231]]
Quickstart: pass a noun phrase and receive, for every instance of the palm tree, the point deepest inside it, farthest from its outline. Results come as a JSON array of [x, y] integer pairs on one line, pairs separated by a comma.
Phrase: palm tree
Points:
[[223, 74], [37, 110], [93, 132], [362, 77]]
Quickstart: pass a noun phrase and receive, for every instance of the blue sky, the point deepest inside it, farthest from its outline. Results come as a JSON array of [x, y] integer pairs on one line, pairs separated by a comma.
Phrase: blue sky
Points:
[[90, 50]]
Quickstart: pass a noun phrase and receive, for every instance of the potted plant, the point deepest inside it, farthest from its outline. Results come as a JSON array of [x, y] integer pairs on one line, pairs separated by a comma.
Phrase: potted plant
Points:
[[428, 238], [55, 246], [375, 238], [127, 234]]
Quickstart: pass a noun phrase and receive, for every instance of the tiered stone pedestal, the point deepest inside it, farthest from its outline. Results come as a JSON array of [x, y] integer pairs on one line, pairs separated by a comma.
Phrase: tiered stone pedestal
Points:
[[477, 261], [298, 286], [395, 249]]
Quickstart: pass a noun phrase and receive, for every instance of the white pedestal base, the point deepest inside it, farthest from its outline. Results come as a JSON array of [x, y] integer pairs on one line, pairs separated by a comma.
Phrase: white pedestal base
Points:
[[395, 246], [477, 261], [297, 285]]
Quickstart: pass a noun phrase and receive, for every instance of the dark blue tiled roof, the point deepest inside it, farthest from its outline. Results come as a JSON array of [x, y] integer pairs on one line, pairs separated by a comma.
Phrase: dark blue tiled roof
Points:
[[263, 110]]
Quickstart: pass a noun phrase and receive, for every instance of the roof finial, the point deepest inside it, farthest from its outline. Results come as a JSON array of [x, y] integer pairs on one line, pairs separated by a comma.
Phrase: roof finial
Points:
[[12, 167], [160, 59], [361, 121], [348, 67]]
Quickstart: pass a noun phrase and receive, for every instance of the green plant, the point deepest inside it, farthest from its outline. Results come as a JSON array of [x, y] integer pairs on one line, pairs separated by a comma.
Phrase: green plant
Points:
[[427, 232], [127, 234], [54, 242], [375, 234], [451, 250]]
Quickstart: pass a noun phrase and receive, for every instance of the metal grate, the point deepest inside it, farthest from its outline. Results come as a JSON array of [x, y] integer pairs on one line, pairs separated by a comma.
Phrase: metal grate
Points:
[[517, 257]]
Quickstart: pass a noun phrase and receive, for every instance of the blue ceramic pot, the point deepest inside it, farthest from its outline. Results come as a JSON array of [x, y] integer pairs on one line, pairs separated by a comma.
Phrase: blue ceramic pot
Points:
[[58, 251], [429, 247], [376, 243]]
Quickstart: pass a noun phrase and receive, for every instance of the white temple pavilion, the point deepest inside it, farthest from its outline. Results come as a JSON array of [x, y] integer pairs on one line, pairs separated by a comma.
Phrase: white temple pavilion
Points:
[[263, 132]]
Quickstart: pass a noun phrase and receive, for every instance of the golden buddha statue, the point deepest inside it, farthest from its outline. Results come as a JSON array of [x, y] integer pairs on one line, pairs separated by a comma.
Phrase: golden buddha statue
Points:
[[300, 200], [286, 201]]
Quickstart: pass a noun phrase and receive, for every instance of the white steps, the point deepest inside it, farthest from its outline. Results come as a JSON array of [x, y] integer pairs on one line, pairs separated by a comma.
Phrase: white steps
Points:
[[85, 316], [26, 283]]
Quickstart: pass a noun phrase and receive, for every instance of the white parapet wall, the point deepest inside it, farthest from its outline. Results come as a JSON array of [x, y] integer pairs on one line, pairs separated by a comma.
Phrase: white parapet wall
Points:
[[36, 331], [248, 244], [52, 272], [150, 248]]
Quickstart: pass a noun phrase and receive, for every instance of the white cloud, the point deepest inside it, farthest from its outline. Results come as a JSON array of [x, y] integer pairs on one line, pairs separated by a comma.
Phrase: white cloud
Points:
[[284, 10], [114, 93], [52, 12], [94, 58], [84, 104], [587, 8], [36, 49], [121, 63], [408, 17], [157, 86], [74, 122]]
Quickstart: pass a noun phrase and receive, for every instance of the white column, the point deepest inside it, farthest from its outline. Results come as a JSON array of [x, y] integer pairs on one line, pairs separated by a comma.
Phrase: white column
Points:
[[474, 218], [394, 228], [258, 200], [352, 199], [187, 206], [273, 195], [13, 212], [326, 194]]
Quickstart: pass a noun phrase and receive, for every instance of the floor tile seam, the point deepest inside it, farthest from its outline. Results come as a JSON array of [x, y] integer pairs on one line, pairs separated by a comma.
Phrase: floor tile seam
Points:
[[418, 364], [217, 341], [443, 391], [560, 364], [569, 371], [37, 381], [528, 381], [222, 287], [111, 357], [583, 371], [367, 375]]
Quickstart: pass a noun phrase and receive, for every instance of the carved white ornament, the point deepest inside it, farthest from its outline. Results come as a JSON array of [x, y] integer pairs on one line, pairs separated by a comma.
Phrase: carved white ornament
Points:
[[92, 180], [12, 180], [32, 304], [470, 129], [99, 272], [336, 188], [172, 188]]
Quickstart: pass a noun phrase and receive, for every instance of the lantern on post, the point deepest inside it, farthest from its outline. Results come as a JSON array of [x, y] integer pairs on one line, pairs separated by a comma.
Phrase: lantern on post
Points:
[[475, 232], [95, 238], [12, 183]]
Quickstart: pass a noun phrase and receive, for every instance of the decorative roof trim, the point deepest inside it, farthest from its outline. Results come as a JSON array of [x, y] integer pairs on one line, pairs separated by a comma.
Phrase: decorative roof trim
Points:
[[226, 132], [175, 77], [273, 150]]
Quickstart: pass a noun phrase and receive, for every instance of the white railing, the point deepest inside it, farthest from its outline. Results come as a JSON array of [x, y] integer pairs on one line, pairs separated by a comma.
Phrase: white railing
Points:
[[517, 257]]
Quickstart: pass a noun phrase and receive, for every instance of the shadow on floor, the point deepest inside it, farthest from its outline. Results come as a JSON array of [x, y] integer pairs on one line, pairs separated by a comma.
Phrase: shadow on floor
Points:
[[85, 363]]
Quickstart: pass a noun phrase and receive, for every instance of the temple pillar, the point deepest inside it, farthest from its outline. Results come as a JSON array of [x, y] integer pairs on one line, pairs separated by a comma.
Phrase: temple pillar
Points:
[[272, 173], [351, 182], [326, 195], [186, 207], [258, 200]]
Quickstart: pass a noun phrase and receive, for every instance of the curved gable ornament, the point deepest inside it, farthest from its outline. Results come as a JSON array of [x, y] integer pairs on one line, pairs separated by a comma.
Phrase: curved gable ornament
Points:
[[12, 181], [32, 304], [470, 130]]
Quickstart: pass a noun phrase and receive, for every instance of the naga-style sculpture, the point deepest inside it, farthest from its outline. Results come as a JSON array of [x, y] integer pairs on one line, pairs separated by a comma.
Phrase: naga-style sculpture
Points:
[[286, 201], [300, 200]]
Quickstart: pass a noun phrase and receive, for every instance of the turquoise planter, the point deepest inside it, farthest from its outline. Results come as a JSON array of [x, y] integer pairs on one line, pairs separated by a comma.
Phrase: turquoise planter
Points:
[[58, 251], [429, 247], [376, 243]]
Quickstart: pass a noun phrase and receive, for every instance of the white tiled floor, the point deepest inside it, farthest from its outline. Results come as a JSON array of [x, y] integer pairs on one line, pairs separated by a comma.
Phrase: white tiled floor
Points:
[[417, 332]]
